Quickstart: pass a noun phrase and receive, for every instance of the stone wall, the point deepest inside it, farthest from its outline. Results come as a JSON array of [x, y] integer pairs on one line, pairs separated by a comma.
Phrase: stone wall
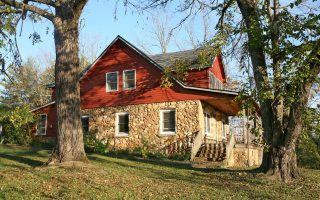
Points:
[[144, 123], [242, 152]]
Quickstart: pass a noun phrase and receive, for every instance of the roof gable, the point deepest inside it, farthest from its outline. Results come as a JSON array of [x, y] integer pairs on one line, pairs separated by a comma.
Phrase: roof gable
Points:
[[125, 42]]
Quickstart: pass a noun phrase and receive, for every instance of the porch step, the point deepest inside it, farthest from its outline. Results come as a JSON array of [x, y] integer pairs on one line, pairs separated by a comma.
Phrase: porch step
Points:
[[215, 152]]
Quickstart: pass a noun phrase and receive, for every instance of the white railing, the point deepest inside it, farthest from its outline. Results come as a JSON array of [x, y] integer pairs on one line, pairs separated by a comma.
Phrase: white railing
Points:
[[197, 142], [230, 146]]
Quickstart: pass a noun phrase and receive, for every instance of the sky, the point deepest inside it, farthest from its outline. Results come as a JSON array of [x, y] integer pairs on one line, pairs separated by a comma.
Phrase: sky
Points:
[[99, 27]]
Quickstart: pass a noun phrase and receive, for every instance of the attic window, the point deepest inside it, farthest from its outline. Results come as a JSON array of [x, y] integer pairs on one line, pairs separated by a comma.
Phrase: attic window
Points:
[[215, 83], [112, 81], [129, 79]]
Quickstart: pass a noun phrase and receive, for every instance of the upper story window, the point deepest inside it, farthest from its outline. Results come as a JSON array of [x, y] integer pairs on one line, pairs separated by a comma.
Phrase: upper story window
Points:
[[167, 122], [129, 79], [85, 123], [42, 125], [112, 81], [122, 124], [215, 83]]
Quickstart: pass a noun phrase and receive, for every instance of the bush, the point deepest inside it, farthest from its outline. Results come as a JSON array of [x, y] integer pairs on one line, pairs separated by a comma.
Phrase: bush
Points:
[[17, 124], [308, 153], [181, 157], [93, 145], [43, 142]]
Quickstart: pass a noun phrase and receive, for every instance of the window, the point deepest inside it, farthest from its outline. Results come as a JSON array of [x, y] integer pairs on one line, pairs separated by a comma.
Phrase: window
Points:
[[42, 125], [85, 123], [215, 83], [207, 124], [122, 124], [129, 79], [112, 81], [168, 121], [224, 130]]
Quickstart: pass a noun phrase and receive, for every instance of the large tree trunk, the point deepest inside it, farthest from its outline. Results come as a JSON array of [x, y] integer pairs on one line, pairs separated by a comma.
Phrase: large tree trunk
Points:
[[70, 145]]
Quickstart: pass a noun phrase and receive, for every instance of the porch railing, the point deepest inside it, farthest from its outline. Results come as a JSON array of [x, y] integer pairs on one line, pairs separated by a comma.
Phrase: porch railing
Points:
[[198, 141]]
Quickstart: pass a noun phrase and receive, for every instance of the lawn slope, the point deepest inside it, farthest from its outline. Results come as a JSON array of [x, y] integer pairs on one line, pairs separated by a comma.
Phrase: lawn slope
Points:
[[22, 177]]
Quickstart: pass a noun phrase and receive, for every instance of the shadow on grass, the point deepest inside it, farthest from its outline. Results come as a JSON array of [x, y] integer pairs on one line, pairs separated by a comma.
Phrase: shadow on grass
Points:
[[186, 165], [23, 160], [218, 178]]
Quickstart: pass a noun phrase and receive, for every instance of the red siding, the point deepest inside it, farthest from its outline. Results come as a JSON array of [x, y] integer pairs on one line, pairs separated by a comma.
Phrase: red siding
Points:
[[218, 69], [51, 119], [119, 58], [53, 94], [198, 78]]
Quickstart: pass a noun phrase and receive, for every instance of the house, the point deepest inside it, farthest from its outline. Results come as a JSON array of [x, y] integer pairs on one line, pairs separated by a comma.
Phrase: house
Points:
[[123, 103]]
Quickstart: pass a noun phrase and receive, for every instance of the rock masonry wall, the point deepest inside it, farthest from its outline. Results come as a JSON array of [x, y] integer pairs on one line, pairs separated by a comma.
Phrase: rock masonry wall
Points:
[[144, 124]]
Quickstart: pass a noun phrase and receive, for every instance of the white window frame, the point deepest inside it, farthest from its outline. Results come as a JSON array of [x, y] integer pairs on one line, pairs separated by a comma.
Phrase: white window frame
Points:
[[45, 127], [135, 79], [217, 130], [207, 117], [107, 88], [224, 130], [121, 134], [162, 132]]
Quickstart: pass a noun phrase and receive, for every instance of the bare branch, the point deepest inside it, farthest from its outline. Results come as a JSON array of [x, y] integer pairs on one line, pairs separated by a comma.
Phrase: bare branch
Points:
[[30, 8], [46, 2], [223, 12]]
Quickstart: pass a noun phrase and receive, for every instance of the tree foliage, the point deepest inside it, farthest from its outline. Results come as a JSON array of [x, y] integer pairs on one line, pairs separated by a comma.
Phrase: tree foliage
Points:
[[26, 85], [308, 150], [17, 124]]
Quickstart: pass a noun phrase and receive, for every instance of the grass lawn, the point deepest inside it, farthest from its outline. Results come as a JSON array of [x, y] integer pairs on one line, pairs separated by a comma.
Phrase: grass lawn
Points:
[[22, 177]]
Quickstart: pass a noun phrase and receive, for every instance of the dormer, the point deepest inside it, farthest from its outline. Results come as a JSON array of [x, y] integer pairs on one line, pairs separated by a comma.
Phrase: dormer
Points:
[[212, 77]]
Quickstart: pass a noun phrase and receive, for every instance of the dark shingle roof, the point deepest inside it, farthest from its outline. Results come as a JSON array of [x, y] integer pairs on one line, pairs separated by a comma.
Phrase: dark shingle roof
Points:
[[167, 59]]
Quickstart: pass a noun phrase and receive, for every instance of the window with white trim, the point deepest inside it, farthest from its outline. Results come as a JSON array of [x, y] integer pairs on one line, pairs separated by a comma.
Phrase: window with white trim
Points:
[[168, 121], [129, 79], [224, 130], [215, 83], [207, 124], [112, 81], [122, 124], [85, 123], [42, 125]]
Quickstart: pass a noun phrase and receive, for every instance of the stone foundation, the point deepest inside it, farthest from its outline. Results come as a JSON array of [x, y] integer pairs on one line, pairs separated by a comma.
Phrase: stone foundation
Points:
[[241, 153], [144, 124]]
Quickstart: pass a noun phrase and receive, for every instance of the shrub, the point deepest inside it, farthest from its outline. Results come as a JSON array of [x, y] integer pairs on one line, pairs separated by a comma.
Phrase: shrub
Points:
[[308, 153], [17, 124], [93, 145], [42, 142], [181, 157]]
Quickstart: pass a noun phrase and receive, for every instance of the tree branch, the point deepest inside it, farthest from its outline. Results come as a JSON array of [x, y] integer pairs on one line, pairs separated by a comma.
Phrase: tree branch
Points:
[[223, 12], [46, 2], [30, 8]]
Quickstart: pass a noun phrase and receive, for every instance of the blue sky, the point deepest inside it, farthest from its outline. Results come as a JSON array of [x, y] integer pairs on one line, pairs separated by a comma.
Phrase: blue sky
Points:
[[98, 25]]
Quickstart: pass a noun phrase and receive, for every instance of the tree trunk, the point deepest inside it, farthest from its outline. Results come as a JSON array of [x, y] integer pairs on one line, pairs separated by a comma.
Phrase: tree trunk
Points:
[[70, 145], [280, 133]]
